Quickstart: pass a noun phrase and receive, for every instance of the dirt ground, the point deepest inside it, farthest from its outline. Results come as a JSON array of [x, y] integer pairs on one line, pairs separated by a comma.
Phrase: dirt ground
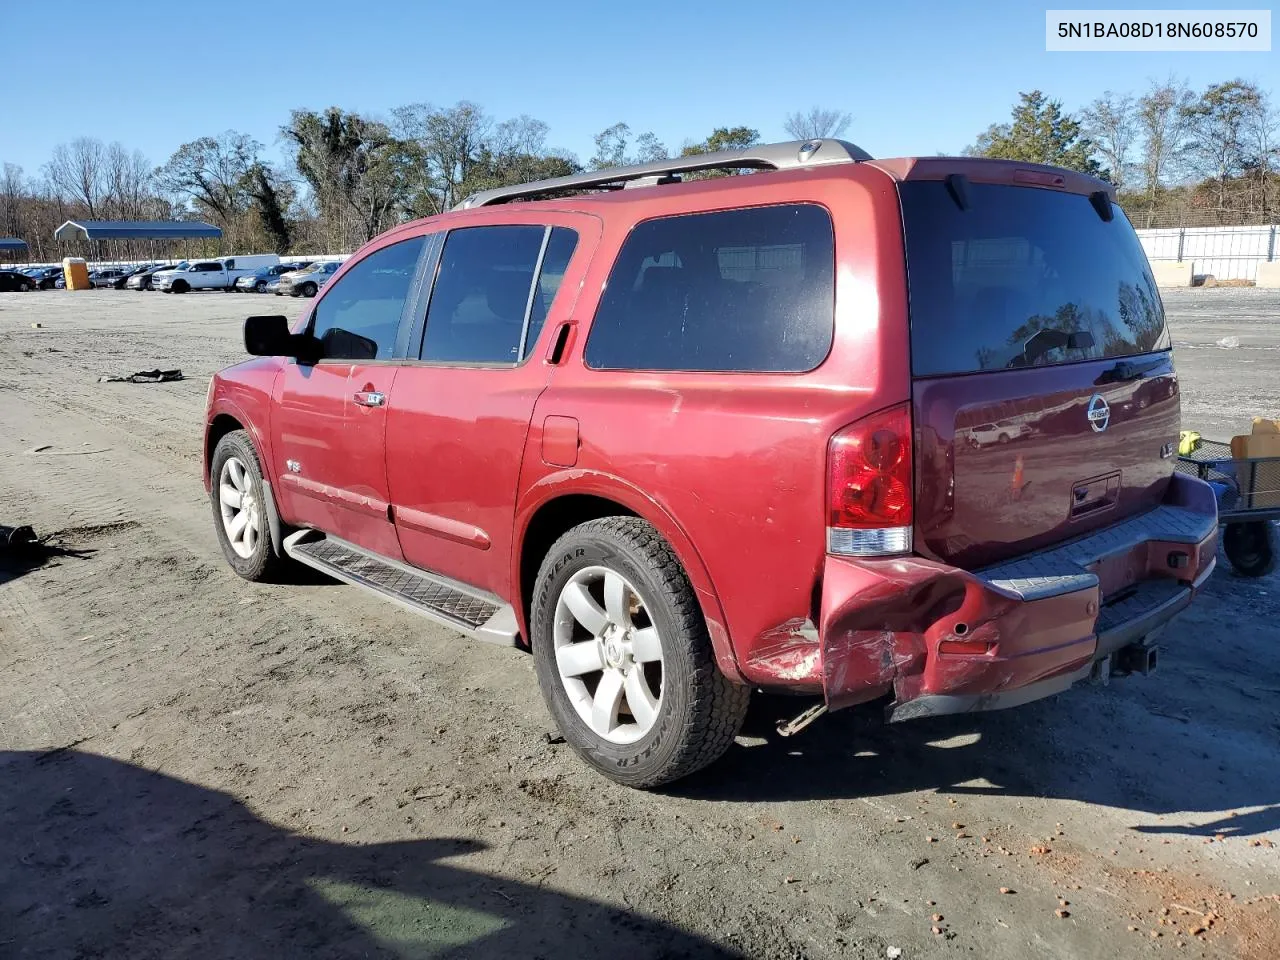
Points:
[[194, 766]]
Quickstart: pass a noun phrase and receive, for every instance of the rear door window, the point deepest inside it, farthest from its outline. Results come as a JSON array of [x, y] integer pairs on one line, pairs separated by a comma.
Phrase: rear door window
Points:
[[1023, 277], [555, 261], [482, 299], [734, 290]]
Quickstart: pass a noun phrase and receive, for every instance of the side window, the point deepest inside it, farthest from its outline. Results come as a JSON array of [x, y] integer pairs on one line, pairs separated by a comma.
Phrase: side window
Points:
[[735, 290], [207, 267], [555, 261], [358, 317], [481, 294], [231, 264]]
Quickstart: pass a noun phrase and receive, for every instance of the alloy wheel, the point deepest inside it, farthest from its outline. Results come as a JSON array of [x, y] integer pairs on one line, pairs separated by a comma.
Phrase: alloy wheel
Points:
[[608, 655], [241, 511]]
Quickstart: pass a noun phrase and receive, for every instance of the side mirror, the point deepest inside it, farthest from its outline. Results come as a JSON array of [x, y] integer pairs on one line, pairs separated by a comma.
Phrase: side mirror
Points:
[[1080, 340], [270, 337]]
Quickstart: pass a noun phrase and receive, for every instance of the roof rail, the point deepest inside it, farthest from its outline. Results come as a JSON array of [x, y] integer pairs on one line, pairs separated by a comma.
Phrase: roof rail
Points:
[[765, 156]]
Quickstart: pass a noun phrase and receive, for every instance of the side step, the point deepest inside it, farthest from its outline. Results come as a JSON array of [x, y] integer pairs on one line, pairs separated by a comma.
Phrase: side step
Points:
[[473, 612]]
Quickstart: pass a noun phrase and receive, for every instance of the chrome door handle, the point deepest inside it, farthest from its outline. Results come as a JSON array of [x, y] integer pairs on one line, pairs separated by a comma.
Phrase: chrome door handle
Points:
[[370, 398]]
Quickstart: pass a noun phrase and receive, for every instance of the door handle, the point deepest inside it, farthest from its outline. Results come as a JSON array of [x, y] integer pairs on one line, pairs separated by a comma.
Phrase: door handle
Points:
[[370, 398]]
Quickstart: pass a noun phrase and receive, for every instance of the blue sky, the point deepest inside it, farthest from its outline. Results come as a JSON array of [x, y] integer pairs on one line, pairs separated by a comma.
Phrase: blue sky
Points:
[[918, 77]]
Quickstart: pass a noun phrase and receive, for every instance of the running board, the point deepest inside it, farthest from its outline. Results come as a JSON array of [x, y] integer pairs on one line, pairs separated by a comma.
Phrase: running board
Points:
[[473, 612]]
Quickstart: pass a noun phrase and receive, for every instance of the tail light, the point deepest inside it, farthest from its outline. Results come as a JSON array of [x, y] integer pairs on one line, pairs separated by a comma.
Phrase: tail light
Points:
[[869, 486]]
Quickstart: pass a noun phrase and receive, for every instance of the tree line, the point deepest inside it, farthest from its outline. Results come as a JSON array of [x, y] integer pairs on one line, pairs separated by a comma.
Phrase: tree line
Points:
[[1176, 156], [347, 177]]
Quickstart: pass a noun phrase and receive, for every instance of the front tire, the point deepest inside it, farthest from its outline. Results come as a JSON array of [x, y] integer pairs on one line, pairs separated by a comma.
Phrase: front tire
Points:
[[309, 290], [623, 657], [180, 287], [239, 509]]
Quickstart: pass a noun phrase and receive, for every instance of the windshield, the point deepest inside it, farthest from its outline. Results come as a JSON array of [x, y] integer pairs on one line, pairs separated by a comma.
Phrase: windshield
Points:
[[1023, 277]]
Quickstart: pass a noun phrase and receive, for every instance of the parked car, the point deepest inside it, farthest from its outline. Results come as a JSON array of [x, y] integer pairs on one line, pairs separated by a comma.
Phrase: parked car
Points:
[[211, 274], [307, 281], [45, 277], [14, 280], [105, 277], [143, 279], [122, 281], [691, 439], [1004, 431], [257, 281]]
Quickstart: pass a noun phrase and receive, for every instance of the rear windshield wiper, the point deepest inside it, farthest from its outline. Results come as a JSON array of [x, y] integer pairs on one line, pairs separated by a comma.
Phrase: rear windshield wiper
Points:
[[1042, 341], [1127, 370]]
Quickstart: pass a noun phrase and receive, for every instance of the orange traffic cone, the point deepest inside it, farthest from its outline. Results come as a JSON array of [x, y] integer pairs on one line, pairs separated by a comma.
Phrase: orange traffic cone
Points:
[[1016, 485]]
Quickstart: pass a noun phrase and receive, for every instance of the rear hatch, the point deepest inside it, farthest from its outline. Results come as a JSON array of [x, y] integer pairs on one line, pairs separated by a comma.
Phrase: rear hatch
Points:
[[1043, 388]]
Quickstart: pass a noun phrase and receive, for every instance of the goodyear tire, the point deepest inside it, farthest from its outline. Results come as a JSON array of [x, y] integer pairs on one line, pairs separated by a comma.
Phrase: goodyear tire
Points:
[[623, 657]]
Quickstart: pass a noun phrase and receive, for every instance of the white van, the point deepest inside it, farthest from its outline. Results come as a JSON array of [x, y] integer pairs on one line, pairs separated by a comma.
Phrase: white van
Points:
[[215, 274]]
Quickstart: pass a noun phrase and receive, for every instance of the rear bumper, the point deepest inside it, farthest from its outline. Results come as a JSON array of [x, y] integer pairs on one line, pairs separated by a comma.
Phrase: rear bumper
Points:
[[943, 640]]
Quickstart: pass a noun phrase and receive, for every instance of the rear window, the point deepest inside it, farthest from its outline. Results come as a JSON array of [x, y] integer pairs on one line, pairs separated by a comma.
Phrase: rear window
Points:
[[735, 290], [1023, 277]]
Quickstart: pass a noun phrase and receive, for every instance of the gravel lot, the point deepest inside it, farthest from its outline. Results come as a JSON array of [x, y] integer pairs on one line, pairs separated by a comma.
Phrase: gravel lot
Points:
[[194, 766]]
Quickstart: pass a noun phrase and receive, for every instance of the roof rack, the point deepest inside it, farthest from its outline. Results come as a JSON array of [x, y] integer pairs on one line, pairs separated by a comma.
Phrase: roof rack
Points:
[[766, 156]]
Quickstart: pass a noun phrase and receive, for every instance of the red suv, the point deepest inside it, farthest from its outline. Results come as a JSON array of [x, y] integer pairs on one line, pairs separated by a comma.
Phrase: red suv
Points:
[[686, 439]]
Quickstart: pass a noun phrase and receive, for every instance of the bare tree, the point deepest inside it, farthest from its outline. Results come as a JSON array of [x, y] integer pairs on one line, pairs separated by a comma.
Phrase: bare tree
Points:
[[1111, 123], [1163, 123], [12, 195], [1220, 120], [816, 123], [77, 172], [127, 179], [447, 144], [1264, 141], [649, 148], [611, 147], [211, 171]]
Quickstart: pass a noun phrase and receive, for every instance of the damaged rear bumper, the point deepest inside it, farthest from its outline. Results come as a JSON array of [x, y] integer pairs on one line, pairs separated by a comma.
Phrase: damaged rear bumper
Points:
[[944, 640]]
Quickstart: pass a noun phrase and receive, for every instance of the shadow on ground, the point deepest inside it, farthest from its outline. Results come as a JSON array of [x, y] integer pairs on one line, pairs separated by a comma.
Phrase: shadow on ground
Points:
[[104, 859], [18, 559], [1194, 742]]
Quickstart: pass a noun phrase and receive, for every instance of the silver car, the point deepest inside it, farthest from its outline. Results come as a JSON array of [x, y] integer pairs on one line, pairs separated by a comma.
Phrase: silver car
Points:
[[307, 283]]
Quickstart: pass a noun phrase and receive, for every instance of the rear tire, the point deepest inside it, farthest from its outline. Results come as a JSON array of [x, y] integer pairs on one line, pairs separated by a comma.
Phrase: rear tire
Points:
[[239, 510], [625, 570], [1251, 547]]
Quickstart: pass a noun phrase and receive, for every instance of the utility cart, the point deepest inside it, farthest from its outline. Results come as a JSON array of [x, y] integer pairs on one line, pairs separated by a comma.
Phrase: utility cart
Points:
[[1248, 491]]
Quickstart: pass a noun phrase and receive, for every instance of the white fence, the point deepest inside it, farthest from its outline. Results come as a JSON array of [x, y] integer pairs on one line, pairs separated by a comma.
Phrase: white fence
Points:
[[1226, 253]]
